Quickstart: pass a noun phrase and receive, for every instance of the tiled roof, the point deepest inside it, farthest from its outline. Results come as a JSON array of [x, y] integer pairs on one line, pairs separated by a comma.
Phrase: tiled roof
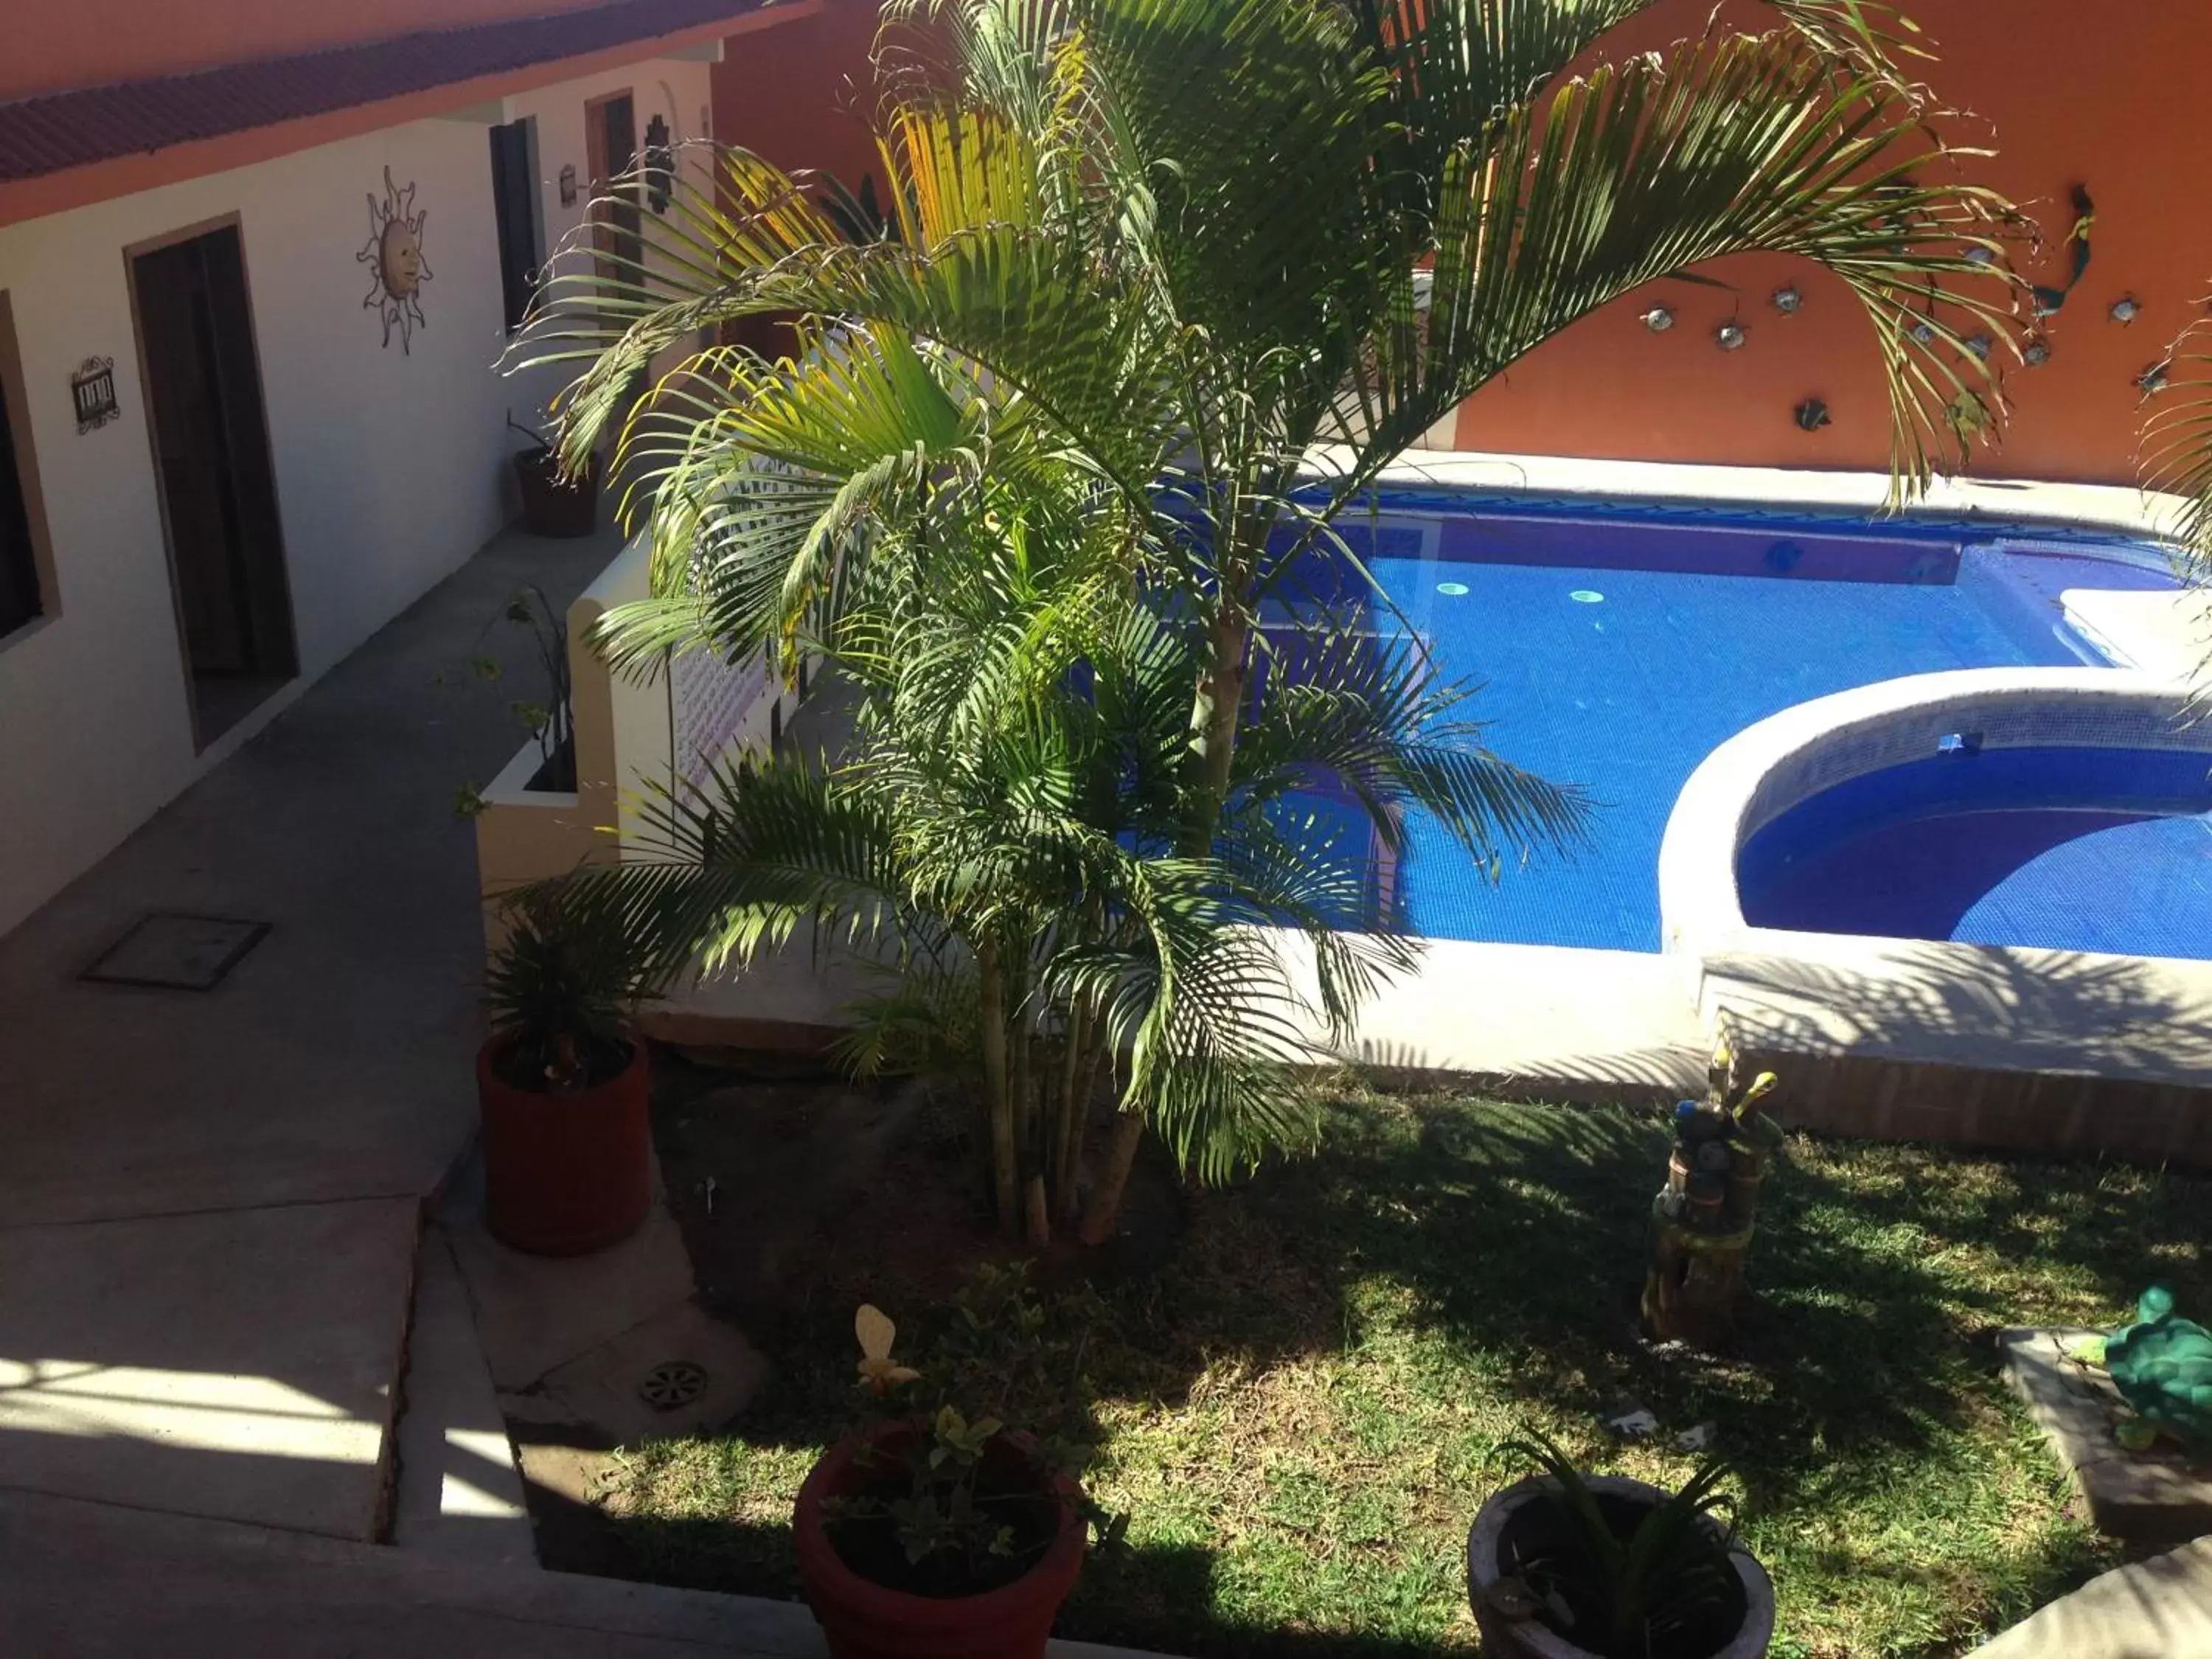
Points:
[[57, 130]]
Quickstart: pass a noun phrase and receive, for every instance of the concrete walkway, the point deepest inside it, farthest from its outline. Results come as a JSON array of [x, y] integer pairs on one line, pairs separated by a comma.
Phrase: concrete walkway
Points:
[[2160, 1608], [210, 1201], [87, 1581]]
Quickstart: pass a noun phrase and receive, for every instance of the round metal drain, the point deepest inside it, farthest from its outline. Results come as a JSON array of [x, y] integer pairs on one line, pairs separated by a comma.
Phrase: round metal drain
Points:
[[672, 1383]]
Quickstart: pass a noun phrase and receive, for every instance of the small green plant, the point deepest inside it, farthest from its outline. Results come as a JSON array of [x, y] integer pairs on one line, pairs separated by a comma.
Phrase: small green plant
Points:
[[956, 1506], [561, 986], [1625, 1582]]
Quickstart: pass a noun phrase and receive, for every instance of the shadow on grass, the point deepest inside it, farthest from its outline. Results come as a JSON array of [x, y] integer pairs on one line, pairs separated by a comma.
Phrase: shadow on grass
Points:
[[1501, 1248]]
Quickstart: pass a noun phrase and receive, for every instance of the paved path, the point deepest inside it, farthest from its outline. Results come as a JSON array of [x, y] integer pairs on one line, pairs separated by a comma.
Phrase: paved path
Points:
[[210, 1202], [90, 1581]]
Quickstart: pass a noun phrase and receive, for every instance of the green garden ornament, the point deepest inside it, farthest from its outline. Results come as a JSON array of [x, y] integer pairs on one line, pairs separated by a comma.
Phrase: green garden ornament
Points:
[[2162, 1366]]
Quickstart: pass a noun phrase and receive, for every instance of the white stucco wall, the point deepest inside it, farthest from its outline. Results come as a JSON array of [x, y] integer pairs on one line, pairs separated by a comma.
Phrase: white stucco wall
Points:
[[391, 465]]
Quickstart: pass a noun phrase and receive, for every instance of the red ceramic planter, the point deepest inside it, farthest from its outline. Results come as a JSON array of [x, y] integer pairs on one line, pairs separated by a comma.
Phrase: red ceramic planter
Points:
[[566, 1174], [862, 1619]]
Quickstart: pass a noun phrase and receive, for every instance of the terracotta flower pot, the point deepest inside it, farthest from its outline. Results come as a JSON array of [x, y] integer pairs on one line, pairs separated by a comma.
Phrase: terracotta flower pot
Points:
[[551, 506], [1498, 1525], [565, 1174], [864, 1620]]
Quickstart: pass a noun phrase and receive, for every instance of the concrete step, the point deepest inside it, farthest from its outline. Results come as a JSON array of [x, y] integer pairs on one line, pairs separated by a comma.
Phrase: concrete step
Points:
[[459, 1496], [239, 1364], [2160, 1608], [95, 1581]]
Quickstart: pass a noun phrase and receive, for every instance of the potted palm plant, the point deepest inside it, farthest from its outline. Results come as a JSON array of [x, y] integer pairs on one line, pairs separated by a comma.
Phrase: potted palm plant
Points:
[[934, 1537], [561, 1081], [1564, 1565]]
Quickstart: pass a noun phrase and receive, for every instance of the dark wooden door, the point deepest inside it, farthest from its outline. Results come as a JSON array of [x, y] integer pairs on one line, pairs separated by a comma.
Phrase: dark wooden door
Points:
[[211, 442]]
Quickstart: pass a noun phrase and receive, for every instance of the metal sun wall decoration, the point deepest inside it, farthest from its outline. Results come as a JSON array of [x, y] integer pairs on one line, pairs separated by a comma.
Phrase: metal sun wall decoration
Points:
[[393, 255]]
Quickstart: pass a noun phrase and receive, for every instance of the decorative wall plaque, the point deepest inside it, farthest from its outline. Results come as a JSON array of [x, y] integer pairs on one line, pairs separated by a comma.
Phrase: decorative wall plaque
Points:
[[394, 257], [92, 389], [569, 186]]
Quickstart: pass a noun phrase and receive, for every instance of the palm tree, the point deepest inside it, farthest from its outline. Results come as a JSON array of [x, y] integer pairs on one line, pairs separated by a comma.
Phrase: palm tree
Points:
[[1233, 257], [1000, 826]]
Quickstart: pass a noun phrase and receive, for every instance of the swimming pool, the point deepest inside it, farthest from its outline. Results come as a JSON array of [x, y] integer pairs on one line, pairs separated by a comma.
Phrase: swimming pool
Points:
[[2064, 848], [1619, 648]]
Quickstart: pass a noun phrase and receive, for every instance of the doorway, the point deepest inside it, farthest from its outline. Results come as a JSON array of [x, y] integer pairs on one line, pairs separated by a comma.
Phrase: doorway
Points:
[[218, 485]]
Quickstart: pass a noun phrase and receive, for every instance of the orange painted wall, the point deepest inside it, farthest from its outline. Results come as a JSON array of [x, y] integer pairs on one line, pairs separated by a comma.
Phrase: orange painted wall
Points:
[[58, 44], [2075, 93], [803, 94]]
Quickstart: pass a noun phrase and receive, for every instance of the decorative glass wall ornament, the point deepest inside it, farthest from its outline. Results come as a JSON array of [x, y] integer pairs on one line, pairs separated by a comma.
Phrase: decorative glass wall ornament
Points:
[[1658, 319], [1979, 255], [569, 186], [1813, 415], [659, 165], [1979, 345], [92, 389], [1925, 332], [1787, 299], [2126, 309], [2035, 353], [2050, 301], [1731, 336], [396, 266], [2156, 378]]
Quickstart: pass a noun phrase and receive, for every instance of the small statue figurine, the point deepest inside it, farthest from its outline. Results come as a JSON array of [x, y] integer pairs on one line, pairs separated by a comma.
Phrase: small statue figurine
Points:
[[2162, 1366], [1702, 1219]]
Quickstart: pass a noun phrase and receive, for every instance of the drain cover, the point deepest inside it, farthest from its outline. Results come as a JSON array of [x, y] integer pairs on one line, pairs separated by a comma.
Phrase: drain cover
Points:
[[171, 951], [672, 1383]]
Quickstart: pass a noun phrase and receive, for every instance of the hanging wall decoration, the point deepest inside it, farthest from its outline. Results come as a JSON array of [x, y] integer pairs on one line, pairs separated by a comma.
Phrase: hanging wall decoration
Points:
[[1729, 337], [394, 257], [2035, 353], [1787, 300], [1813, 415], [659, 165], [92, 389], [2126, 309], [1658, 319], [2050, 301]]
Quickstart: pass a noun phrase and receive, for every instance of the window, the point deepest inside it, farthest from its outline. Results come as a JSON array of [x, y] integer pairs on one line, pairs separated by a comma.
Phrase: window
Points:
[[514, 201], [23, 598]]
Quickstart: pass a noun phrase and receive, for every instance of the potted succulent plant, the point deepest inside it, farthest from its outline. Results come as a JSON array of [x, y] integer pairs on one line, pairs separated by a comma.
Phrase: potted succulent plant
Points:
[[561, 1081], [936, 1537], [552, 505], [1564, 1565]]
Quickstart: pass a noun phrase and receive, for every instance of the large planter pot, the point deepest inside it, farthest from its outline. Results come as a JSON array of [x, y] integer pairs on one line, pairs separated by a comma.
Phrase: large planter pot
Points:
[[552, 505], [1507, 1520], [565, 1174], [863, 1619]]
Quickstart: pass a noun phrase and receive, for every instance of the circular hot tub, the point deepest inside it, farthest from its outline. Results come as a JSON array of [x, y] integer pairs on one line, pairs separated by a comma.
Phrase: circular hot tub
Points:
[[2064, 809]]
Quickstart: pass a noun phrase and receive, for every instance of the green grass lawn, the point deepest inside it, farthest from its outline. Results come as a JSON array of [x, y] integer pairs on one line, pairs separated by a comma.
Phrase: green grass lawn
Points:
[[1299, 1412]]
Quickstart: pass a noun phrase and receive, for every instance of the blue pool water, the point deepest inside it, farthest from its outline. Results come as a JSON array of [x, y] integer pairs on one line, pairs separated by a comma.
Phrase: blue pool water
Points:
[[1994, 848], [1618, 653]]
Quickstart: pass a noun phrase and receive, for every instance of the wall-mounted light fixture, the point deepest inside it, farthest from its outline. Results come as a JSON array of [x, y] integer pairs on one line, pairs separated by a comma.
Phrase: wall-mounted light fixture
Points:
[[1658, 319], [1787, 299], [1729, 337], [92, 389]]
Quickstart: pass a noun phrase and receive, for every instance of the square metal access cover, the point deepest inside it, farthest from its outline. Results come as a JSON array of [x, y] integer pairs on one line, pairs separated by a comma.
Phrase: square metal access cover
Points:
[[170, 950]]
